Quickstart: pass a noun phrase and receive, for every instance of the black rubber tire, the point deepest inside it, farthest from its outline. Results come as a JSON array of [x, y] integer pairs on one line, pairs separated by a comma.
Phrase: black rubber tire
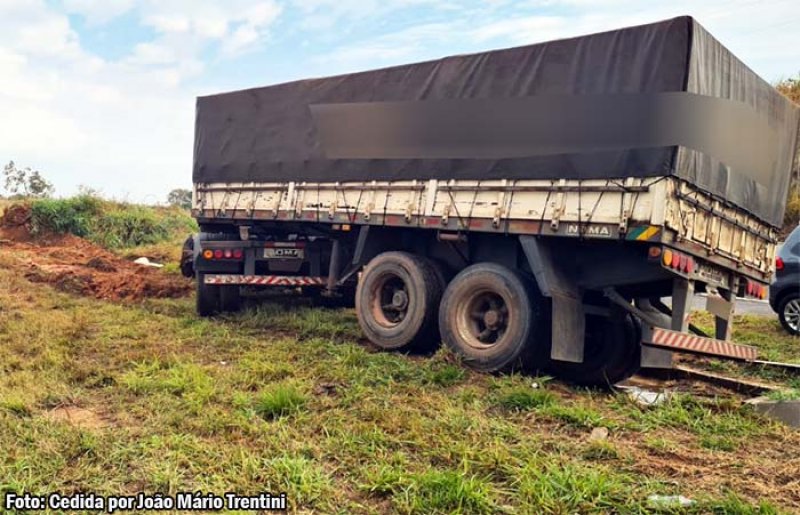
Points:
[[481, 285], [415, 329], [612, 352], [230, 299], [187, 257], [782, 307], [207, 297]]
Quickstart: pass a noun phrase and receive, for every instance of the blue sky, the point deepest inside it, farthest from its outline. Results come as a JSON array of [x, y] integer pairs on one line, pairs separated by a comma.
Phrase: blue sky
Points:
[[101, 92]]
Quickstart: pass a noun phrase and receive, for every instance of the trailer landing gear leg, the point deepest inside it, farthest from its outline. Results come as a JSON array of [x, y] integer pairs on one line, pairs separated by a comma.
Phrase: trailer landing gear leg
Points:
[[652, 357], [722, 308], [682, 296]]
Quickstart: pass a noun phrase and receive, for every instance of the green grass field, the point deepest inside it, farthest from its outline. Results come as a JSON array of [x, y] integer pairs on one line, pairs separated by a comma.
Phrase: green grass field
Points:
[[111, 398]]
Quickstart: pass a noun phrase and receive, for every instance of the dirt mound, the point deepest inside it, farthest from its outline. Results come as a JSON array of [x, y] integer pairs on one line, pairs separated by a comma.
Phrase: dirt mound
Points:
[[74, 265], [15, 223], [16, 215], [77, 266]]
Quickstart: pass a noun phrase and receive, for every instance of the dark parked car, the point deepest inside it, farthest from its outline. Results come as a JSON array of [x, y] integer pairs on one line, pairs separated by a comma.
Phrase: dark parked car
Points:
[[784, 292]]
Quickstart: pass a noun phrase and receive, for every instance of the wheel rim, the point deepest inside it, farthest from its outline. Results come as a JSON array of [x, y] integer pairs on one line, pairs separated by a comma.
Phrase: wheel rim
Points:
[[483, 319], [791, 313], [389, 300]]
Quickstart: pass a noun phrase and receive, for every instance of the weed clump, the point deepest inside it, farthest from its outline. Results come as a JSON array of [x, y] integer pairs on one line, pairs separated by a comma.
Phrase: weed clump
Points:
[[432, 491], [524, 398], [446, 375], [279, 401], [16, 407]]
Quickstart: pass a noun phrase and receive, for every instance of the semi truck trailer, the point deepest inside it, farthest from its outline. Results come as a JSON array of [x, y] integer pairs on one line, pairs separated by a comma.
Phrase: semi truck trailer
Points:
[[548, 207]]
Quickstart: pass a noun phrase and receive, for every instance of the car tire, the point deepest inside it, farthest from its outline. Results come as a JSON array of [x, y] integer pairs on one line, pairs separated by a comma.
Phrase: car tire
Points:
[[789, 313], [488, 316], [397, 302]]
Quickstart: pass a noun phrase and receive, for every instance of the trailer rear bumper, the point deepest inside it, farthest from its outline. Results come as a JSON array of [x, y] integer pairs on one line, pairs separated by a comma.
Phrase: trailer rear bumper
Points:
[[692, 344], [265, 280]]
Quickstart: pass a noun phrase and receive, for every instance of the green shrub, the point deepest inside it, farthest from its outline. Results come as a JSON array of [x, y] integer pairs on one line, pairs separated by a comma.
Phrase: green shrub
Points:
[[73, 215], [110, 224], [129, 227]]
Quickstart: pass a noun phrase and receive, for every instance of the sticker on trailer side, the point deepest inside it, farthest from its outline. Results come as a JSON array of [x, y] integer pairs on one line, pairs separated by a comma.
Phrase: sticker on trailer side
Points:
[[284, 253]]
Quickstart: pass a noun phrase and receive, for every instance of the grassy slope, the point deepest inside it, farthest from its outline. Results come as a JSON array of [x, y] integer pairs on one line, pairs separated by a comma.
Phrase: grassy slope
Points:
[[135, 230], [286, 400], [773, 343]]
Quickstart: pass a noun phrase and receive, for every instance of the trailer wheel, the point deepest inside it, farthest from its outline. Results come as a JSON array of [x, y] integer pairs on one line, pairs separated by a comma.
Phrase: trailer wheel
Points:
[[187, 257], [230, 299], [397, 301], [207, 297], [488, 317], [612, 352]]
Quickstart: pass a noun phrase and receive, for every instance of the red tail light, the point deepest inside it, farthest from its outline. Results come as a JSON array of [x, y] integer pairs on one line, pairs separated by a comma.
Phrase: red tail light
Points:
[[676, 260], [223, 254], [778, 264]]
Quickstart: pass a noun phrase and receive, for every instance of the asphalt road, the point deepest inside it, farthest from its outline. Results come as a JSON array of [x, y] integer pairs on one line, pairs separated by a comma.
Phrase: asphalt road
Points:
[[742, 307]]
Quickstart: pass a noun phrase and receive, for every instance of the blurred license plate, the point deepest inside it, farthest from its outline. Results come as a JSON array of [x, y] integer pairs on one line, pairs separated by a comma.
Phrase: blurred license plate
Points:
[[281, 253]]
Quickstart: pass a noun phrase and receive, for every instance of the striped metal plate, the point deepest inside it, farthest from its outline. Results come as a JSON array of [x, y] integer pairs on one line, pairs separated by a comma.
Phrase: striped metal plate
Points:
[[682, 342], [266, 280], [644, 233]]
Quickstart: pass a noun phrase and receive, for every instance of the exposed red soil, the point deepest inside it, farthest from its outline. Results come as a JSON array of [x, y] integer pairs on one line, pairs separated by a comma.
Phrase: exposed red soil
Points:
[[74, 265], [78, 417]]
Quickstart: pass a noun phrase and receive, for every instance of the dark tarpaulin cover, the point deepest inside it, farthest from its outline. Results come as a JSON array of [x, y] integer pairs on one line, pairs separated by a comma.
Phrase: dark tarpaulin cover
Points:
[[648, 101]]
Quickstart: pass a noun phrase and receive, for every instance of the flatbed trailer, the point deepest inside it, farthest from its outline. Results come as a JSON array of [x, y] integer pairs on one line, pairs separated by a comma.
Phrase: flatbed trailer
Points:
[[538, 263]]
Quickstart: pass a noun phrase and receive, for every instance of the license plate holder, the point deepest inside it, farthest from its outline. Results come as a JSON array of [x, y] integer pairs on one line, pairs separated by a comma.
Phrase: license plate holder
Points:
[[284, 253]]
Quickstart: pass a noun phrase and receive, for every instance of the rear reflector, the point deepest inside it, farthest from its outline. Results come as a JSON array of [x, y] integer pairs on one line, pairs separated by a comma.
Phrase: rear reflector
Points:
[[778, 264], [223, 254], [756, 290], [675, 260]]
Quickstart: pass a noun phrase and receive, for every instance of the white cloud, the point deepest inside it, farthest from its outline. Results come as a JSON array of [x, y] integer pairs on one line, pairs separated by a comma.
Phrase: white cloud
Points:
[[747, 27], [81, 119], [516, 29], [167, 23], [152, 53], [124, 125], [32, 29], [257, 19], [326, 14], [98, 11]]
